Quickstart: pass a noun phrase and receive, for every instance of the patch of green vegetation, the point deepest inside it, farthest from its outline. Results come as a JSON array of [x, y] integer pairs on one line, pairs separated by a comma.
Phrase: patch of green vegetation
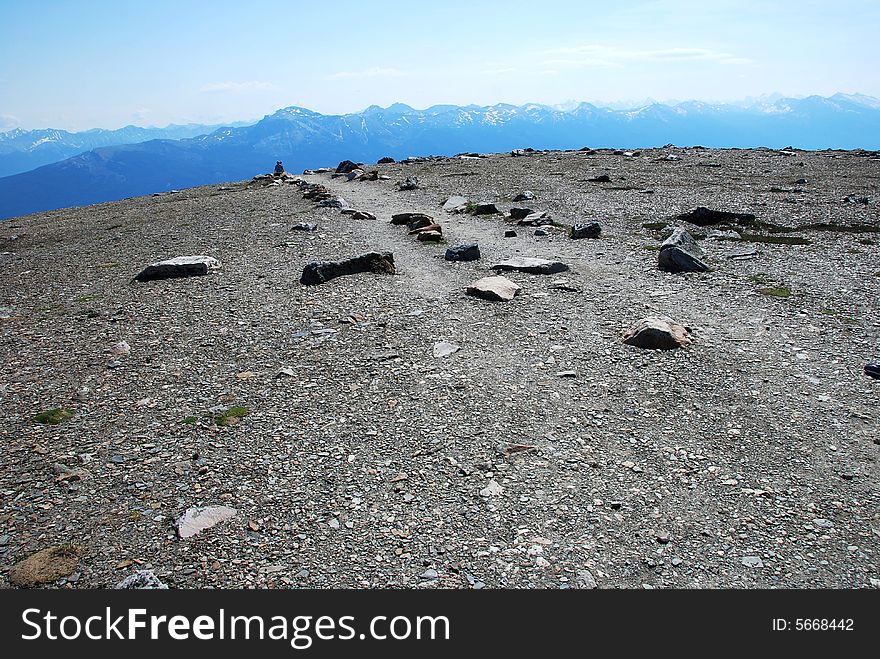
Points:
[[877, 274], [54, 416], [828, 312], [867, 241], [190, 420], [776, 291], [774, 240], [231, 416], [108, 264], [655, 226], [651, 248], [87, 298]]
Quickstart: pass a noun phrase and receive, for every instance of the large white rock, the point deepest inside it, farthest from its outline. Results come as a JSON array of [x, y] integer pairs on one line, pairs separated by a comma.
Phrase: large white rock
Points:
[[657, 333], [180, 266], [499, 289], [196, 520]]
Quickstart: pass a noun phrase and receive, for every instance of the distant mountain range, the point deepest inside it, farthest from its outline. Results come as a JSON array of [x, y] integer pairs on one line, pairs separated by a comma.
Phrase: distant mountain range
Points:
[[306, 139], [24, 150]]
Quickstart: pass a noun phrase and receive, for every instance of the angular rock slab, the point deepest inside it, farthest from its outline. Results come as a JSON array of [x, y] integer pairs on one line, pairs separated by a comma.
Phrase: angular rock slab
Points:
[[468, 252], [657, 333], [455, 203], [411, 218], [180, 266], [497, 289], [319, 272], [680, 253], [46, 566], [531, 265], [444, 349], [141, 580], [196, 520], [590, 230]]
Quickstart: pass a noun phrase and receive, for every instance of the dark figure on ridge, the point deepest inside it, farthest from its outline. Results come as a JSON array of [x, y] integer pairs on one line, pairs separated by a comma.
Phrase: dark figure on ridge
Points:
[[279, 168]]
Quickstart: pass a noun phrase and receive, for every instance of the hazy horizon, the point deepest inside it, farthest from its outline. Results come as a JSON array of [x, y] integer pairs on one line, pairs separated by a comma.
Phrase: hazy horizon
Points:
[[76, 66]]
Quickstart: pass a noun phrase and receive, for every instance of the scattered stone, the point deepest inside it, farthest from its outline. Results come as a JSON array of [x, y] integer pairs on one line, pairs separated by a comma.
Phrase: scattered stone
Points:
[[346, 166], [873, 370], [196, 520], [539, 218], [436, 228], [304, 226], [541, 232], [121, 348], [510, 233], [499, 289], [429, 575], [602, 178], [520, 213], [410, 183], [680, 253], [752, 561], [362, 215], [715, 234], [657, 333], [319, 272], [526, 195], [455, 204], [355, 174], [468, 252], [141, 580], [531, 265], [591, 230], [180, 266], [702, 217], [586, 580], [332, 202], [566, 374], [493, 489], [411, 219], [444, 349], [485, 208], [801, 181], [5, 312], [45, 566], [387, 160], [429, 236]]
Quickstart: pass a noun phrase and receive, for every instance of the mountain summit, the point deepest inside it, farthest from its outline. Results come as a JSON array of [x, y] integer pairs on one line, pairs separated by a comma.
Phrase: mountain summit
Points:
[[306, 139]]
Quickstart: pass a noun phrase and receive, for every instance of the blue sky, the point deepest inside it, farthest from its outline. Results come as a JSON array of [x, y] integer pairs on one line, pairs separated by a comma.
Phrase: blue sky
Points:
[[93, 63]]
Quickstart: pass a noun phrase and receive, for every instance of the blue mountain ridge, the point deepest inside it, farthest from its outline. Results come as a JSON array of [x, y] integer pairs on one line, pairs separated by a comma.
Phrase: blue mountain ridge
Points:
[[306, 139]]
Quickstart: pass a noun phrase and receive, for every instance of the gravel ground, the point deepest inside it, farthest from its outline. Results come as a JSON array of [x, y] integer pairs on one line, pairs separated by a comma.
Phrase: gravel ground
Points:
[[747, 460]]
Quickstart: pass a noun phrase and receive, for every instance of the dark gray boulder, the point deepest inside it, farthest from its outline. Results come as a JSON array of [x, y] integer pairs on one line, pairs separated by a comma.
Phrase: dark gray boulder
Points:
[[520, 213], [590, 230], [410, 218], [680, 253], [319, 272], [702, 217], [530, 265], [180, 266], [468, 252]]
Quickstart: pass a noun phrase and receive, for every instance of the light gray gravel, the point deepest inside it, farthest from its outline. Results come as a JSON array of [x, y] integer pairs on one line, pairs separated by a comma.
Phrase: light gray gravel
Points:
[[542, 453]]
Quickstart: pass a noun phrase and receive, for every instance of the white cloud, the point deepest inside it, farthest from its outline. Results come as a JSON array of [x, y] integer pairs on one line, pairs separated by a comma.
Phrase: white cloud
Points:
[[8, 122], [375, 72], [599, 55], [247, 87]]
